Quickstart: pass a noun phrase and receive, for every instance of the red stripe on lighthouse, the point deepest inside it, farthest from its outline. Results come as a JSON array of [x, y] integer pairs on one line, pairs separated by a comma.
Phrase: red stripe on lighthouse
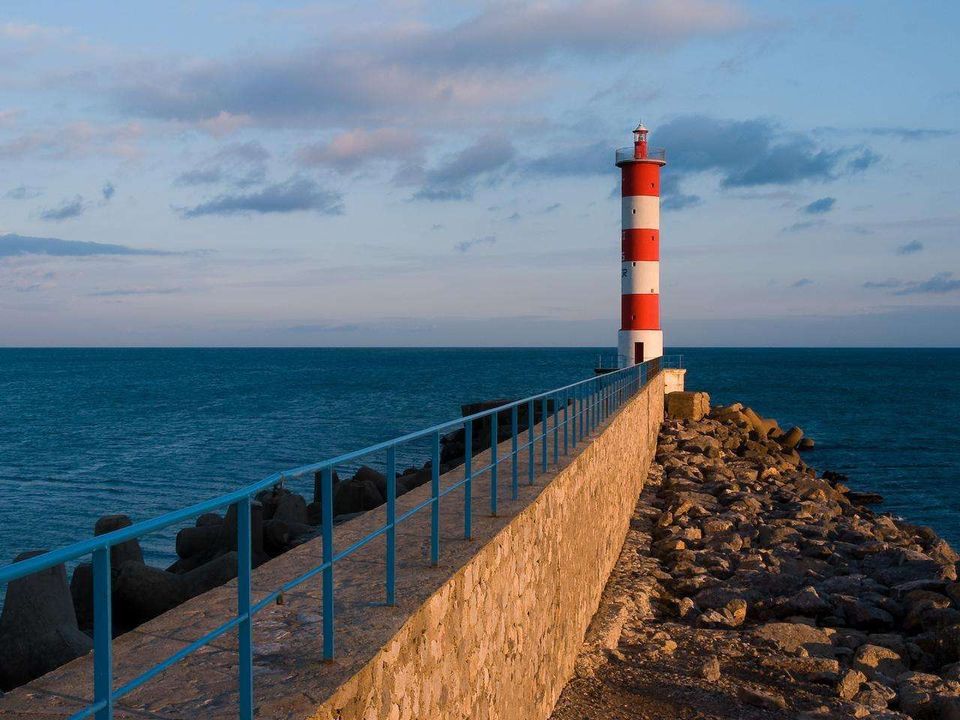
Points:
[[640, 245], [640, 312], [640, 178]]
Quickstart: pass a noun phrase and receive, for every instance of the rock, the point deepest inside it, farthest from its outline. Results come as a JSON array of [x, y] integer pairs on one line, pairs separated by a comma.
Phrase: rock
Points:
[[121, 553], [792, 637], [38, 626], [761, 699], [808, 602], [817, 669], [688, 405], [200, 540], [735, 612], [228, 532], [357, 496], [276, 536], [292, 508], [917, 694], [209, 519], [849, 684], [806, 444], [711, 669], [318, 482], [314, 513], [876, 662], [864, 498], [791, 438]]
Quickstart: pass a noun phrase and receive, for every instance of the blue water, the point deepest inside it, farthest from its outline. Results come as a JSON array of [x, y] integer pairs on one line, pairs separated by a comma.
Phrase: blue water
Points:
[[86, 432]]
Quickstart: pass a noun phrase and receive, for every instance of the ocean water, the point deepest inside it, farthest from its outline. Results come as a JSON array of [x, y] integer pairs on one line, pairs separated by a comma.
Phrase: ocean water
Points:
[[86, 432]]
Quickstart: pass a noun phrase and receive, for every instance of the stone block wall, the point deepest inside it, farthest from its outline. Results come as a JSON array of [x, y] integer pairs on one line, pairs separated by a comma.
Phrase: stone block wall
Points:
[[499, 638]]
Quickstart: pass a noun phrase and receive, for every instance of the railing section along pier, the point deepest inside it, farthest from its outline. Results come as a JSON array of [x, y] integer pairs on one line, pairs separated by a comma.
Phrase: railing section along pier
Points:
[[568, 414]]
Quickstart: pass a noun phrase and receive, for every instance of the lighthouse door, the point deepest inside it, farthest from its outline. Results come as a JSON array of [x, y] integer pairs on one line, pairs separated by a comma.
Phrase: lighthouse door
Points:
[[637, 353]]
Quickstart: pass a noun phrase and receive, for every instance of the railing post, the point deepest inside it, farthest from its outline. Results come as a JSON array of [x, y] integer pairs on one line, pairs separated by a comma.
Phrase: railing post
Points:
[[468, 480], [556, 430], [532, 465], [435, 503], [494, 436], [566, 422], [102, 634], [245, 628], [544, 427], [514, 469], [326, 500], [580, 393], [392, 525]]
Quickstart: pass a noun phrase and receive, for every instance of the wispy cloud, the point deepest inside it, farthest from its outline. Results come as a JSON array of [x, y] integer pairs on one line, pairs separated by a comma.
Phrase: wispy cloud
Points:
[[466, 245], [748, 153], [937, 285], [298, 194], [802, 282], [348, 151], [239, 164], [819, 207], [883, 284], [804, 225], [457, 176], [900, 133], [66, 210], [124, 292], [14, 245], [23, 192], [914, 246], [107, 191]]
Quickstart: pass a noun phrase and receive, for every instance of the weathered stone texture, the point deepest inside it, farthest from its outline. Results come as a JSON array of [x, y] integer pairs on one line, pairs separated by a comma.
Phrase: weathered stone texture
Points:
[[688, 405], [499, 639]]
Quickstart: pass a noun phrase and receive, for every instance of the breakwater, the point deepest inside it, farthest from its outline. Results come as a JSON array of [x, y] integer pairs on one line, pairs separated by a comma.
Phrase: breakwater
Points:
[[288, 639], [752, 586]]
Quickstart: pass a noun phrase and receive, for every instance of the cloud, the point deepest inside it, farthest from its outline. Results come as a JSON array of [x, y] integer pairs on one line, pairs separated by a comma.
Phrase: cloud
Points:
[[66, 210], [12, 245], [883, 284], [107, 191], [8, 117], [747, 153], [804, 225], [239, 164], [293, 195], [466, 245], [309, 329], [23, 192], [350, 150], [802, 282], [75, 140], [939, 284], [413, 70], [456, 177], [819, 207], [135, 291], [592, 158], [900, 133], [914, 246]]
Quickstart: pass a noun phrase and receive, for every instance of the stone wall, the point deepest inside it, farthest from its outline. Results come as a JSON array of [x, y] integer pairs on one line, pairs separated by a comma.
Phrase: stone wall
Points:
[[499, 638]]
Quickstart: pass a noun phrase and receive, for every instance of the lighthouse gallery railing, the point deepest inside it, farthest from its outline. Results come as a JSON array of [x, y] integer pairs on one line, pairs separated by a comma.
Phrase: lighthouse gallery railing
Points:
[[576, 411]]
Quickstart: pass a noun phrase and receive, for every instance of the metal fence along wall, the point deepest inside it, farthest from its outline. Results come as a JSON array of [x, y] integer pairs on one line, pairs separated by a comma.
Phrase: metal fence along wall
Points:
[[568, 414]]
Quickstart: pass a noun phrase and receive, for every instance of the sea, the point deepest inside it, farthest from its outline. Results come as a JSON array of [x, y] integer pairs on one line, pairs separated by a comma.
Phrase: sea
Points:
[[90, 432]]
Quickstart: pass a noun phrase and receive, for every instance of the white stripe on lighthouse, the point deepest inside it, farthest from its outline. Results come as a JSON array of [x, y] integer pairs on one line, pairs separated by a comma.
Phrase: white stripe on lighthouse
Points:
[[641, 212], [640, 277]]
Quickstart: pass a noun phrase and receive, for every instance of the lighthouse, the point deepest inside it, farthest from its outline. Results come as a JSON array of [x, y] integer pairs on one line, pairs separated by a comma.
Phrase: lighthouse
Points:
[[640, 337]]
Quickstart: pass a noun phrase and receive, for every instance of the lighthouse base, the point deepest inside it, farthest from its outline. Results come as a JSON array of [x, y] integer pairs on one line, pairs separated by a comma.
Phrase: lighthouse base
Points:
[[636, 346]]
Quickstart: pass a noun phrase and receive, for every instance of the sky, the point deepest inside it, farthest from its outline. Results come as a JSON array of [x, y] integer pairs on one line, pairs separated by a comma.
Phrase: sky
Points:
[[406, 173]]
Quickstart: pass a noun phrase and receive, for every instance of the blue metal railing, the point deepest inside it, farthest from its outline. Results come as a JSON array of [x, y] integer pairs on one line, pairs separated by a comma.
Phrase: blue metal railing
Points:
[[583, 406]]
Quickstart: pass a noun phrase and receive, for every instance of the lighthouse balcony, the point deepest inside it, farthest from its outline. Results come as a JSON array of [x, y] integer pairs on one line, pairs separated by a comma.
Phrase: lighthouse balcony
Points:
[[626, 154]]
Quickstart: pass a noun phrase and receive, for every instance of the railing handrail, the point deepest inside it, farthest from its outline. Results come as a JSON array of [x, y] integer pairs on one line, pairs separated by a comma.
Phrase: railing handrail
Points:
[[598, 397], [17, 570]]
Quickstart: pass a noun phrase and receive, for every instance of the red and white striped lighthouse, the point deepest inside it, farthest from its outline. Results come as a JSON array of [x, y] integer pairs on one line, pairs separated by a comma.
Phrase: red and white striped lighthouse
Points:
[[640, 337]]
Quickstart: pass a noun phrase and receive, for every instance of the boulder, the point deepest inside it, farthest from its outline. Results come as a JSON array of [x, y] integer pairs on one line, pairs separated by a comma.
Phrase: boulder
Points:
[[202, 540], [357, 496], [125, 551], [791, 438], [292, 508], [686, 405], [38, 626], [877, 662], [792, 637]]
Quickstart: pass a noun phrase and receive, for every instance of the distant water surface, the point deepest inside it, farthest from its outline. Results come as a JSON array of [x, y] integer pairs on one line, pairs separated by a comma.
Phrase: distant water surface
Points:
[[86, 432]]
